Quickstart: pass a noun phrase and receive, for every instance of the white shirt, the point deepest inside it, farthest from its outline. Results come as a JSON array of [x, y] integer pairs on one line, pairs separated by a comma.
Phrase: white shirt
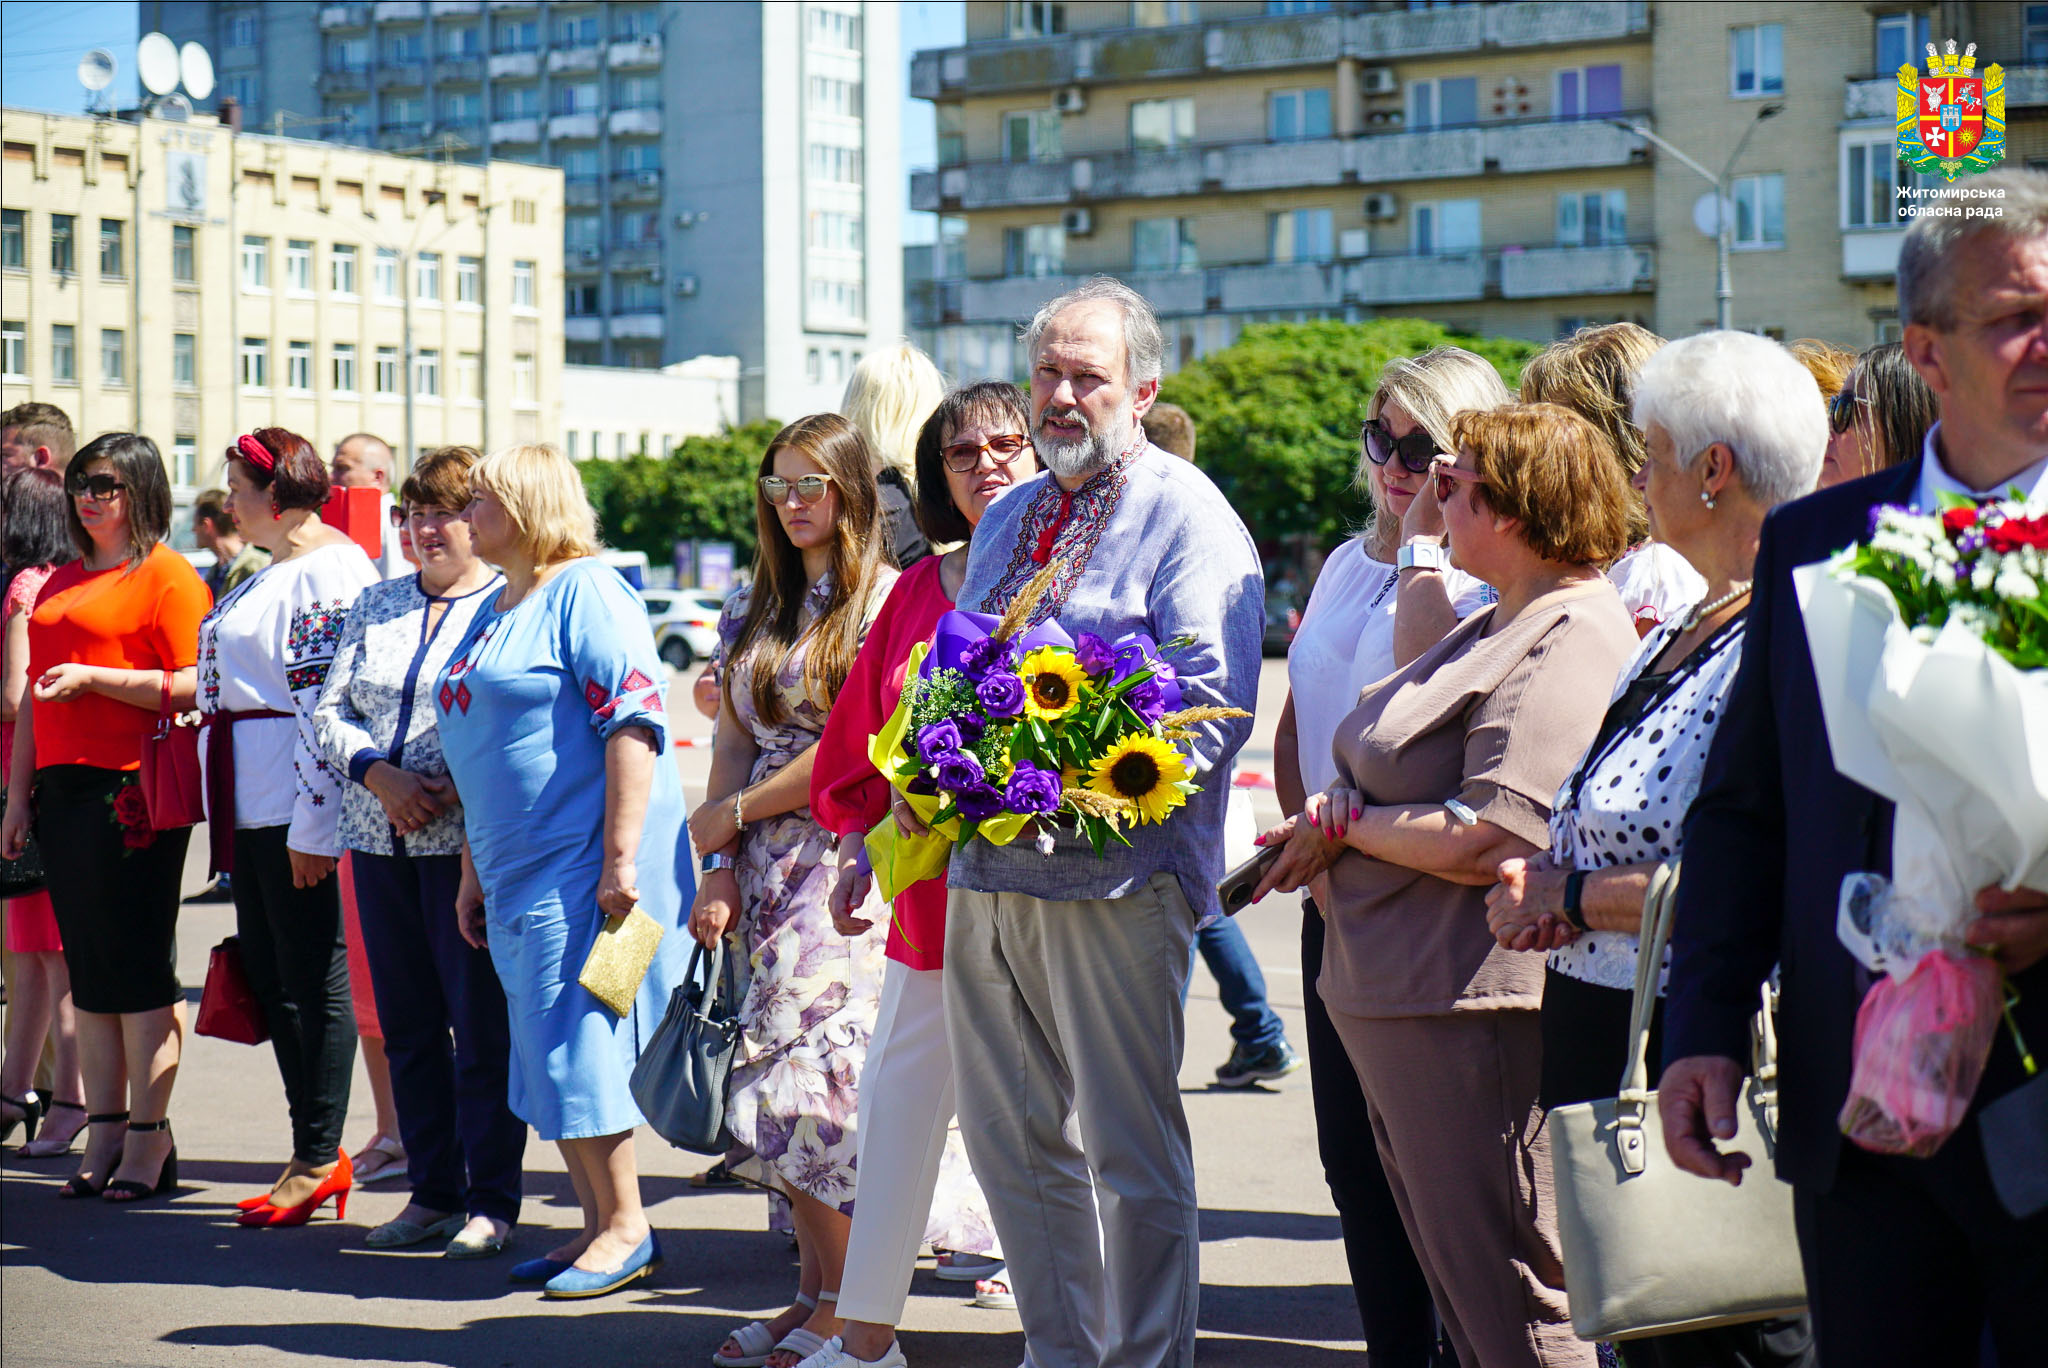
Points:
[[1345, 642], [392, 564], [1936, 481], [1656, 584]]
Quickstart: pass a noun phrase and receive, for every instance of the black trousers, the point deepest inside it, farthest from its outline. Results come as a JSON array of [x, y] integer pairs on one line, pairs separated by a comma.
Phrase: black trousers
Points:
[[116, 904], [1394, 1305], [446, 1034], [298, 968]]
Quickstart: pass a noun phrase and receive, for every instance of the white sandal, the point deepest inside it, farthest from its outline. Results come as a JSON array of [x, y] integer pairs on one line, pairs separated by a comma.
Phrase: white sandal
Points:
[[756, 1341], [801, 1342], [834, 1355]]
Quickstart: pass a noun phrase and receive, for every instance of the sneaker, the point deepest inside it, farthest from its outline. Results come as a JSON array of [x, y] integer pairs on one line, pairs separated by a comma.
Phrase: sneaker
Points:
[[1246, 1067]]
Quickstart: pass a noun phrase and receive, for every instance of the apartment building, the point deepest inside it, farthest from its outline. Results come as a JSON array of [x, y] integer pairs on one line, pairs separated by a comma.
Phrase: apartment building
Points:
[[1476, 164], [732, 170], [177, 279]]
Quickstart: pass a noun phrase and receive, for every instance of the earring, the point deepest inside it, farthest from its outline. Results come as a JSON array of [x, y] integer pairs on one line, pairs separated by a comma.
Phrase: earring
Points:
[[1707, 499]]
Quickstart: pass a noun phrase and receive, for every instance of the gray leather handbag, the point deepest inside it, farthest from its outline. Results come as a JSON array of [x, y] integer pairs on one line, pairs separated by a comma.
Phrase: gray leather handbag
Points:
[[679, 1082], [1649, 1248]]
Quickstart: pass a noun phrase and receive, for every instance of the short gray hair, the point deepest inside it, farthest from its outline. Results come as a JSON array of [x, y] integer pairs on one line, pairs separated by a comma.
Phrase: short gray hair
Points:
[[1746, 392], [1935, 243], [1144, 344]]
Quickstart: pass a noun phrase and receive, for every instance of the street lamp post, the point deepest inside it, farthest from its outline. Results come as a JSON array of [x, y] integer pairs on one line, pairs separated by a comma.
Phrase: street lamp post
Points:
[[1724, 289]]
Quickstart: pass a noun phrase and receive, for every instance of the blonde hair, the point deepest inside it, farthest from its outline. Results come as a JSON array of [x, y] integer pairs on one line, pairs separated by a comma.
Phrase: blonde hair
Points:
[[888, 397], [1436, 387], [543, 495], [1828, 364], [1593, 373]]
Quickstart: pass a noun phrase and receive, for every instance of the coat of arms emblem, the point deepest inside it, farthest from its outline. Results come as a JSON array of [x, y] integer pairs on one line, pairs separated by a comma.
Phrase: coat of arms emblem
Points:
[[1952, 120]]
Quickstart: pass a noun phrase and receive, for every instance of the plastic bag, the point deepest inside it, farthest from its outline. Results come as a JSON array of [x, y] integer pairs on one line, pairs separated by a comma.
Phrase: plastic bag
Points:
[[1919, 1053]]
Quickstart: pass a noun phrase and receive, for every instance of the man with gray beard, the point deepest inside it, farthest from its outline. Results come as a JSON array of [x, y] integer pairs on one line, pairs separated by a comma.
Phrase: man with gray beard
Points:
[[1065, 970]]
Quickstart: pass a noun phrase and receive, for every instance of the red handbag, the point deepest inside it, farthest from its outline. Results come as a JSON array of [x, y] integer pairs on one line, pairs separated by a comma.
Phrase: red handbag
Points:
[[228, 1009], [170, 770]]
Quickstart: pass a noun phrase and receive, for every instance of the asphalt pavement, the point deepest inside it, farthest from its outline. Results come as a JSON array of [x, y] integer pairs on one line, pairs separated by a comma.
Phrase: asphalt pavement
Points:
[[176, 1282]]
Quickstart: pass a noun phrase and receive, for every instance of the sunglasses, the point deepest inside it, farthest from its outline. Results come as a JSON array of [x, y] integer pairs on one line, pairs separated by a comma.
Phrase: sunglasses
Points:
[[962, 457], [101, 487], [1416, 450], [1842, 410], [1448, 477], [809, 488]]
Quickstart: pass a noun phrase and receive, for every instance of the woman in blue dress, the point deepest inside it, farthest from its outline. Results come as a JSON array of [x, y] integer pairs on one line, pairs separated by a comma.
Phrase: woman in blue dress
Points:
[[556, 734]]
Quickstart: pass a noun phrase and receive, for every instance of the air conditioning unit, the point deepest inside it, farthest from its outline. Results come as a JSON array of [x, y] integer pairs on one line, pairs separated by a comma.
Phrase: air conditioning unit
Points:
[[1071, 100], [686, 285], [1381, 206], [654, 274], [1079, 222], [650, 42], [588, 253], [649, 180], [1377, 81], [1353, 243]]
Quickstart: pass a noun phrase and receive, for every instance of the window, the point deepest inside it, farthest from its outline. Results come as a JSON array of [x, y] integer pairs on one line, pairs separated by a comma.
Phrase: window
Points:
[[838, 165], [636, 23], [404, 47], [469, 375], [636, 92], [426, 373], [64, 353], [576, 97], [342, 268], [243, 89], [1162, 125], [1163, 244], [387, 273], [185, 460], [255, 363], [1901, 38], [1756, 59], [1292, 114], [952, 140], [814, 362], [404, 113], [243, 29], [835, 29], [1870, 183], [1032, 135], [1299, 235], [1760, 210], [298, 266], [1595, 219], [642, 156], [522, 377], [13, 351], [842, 298], [464, 107], [347, 54], [832, 95], [1447, 102], [1446, 228], [298, 366], [113, 253], [184, 265], [1035, 19], [569, 438], [426, 277], [184, 360], [63, 235], [1039, 250], [344, 354], [517, 102], [575, 30], [2034, 35], [637, 227], [113, 356], [469, 274], [13, 233], [459, 40], [1587, 92], [1159, 13], [255, 263], [1300, 6], [635, 294], [387, 370], [835, 230], [517, 35], [522, 284]]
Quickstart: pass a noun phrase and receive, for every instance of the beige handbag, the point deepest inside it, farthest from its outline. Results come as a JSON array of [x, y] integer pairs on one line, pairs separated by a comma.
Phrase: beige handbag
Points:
[[619, 958], [1649, 1248]]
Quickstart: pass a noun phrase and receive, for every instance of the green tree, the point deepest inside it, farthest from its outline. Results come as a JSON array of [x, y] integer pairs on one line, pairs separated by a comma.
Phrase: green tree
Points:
[[1277, 414], [704, 490]]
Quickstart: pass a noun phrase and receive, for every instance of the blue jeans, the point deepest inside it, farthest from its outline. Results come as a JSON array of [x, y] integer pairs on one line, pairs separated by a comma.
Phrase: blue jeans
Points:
[[1240, 985]]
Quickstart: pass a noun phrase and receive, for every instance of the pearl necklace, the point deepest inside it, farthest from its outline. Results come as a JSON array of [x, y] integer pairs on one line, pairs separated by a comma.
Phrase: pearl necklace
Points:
[[1706, 610]]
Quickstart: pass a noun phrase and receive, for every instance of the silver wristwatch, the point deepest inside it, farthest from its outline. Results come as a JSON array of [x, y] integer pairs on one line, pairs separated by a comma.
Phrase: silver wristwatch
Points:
[[1421, 555], [717, 861]]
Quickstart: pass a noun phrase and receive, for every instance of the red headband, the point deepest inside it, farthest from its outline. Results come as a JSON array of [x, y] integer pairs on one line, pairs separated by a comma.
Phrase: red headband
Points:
[[255, 453]]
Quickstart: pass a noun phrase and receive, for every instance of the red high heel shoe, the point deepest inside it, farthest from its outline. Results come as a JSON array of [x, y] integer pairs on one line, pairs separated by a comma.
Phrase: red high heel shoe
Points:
[[336, 1185]]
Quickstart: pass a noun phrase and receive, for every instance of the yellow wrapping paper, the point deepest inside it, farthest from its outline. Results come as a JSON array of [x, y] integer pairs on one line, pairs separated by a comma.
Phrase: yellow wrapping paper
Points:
[[899, 861]]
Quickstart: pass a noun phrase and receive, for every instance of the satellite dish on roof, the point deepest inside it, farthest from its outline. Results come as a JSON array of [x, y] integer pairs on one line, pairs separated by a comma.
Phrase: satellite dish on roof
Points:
[[156, 60], [96, 70], [196, 67]]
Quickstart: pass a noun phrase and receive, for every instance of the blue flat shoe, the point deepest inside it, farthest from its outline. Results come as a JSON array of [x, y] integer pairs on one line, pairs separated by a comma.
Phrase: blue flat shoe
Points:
[[577, 1282], [538, 1270]]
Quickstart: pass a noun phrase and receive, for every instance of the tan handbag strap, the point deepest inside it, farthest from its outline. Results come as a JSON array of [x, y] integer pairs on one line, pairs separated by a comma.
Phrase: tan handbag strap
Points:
[[1659, 903]]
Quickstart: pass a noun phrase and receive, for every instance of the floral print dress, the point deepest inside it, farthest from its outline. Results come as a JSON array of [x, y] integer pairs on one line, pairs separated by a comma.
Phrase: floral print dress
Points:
[[811, 1005]]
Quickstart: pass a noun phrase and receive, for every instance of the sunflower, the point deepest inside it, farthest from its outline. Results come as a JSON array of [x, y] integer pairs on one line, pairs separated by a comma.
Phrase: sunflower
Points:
[[1052, 683], [1143, 771]]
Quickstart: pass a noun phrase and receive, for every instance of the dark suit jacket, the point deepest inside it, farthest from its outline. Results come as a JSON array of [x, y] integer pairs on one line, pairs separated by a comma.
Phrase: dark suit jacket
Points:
[[1767, 843]]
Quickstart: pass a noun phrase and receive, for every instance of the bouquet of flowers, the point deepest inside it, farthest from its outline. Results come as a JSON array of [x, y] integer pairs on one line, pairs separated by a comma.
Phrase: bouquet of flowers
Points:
[[1930, 647], [1001, 728]]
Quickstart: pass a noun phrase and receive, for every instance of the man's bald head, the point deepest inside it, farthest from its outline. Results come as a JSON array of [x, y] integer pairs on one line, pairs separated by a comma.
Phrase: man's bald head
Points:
[[363, 461]]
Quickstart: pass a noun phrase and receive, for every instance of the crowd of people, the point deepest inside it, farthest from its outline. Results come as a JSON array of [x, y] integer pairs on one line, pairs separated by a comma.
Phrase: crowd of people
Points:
[[1564, 649]]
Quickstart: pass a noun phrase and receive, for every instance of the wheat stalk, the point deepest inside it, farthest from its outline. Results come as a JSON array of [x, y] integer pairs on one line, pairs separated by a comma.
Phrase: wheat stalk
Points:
[[1092, 804], [1018, 616], [1189, 717]]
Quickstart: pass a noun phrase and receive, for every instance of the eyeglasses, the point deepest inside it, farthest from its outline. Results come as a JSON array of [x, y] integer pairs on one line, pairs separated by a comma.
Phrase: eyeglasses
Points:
[[1416, 450], [1448, 477], [99, 487], [962, 457], [809, 488], [1842, 410]]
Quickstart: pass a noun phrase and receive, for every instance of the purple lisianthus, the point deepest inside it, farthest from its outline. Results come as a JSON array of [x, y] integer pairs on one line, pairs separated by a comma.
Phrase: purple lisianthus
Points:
[[985, 655], [972, 726], [1033, 789], [958, 771], [1132, 658], [1147, 700], [1002, 694], [979, 803], [937, 740], [1092, 653]]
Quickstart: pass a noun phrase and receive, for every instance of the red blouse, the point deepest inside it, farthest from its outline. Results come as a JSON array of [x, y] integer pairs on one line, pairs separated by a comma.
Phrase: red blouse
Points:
[[847, 793]]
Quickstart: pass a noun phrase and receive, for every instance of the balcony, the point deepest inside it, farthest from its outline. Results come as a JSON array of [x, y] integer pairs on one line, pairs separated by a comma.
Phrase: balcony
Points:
[[392, 136], [583, 330], [582, 192], [644, 51], [524, 130], [344, 17], [1278, 41], [574, 59], [401, 75], [635, 255], [1417, 33], [1415, 156], [582, 256], [458, 70], [344, 80], [578, 126], [514, 65], [400, 11], [2026, 87], [1294, 285], [1417, 279], [636, 187], [1871, 253], [1551, 271], [1871, 99], [645, 119], [441, 8], [500, 6], [1554, 145], [638, 326]]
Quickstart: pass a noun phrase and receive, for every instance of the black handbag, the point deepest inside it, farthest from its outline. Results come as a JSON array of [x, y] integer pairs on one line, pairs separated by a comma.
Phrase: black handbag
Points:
[[679, 1082], [24, 875]]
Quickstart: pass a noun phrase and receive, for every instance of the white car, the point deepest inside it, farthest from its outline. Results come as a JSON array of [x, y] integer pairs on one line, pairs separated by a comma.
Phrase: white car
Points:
[[685, 623]]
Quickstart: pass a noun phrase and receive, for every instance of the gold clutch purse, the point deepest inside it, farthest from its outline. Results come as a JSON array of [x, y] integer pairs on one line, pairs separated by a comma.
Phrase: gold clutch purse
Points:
[[618, 961]]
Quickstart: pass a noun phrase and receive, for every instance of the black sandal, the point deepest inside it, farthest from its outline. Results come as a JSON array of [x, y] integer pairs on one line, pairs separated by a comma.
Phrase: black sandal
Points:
[[25, 1152], [127, 1189], [32, 1108], [79, 1186]]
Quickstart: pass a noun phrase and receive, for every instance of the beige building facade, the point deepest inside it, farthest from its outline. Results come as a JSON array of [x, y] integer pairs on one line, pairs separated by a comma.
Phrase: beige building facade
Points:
[[192, 283], [1476, 164]]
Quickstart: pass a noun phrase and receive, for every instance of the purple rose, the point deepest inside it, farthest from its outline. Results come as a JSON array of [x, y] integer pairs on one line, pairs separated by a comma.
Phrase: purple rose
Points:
[[979, 803], [985, 655], [958, 771], [937, 740], [1002, 694], [1147, 700], [1032, 789], [1092, 653]]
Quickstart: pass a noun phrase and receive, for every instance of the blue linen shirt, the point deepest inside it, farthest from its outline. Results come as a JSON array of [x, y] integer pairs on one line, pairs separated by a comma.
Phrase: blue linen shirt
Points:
[[1160, 551]]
